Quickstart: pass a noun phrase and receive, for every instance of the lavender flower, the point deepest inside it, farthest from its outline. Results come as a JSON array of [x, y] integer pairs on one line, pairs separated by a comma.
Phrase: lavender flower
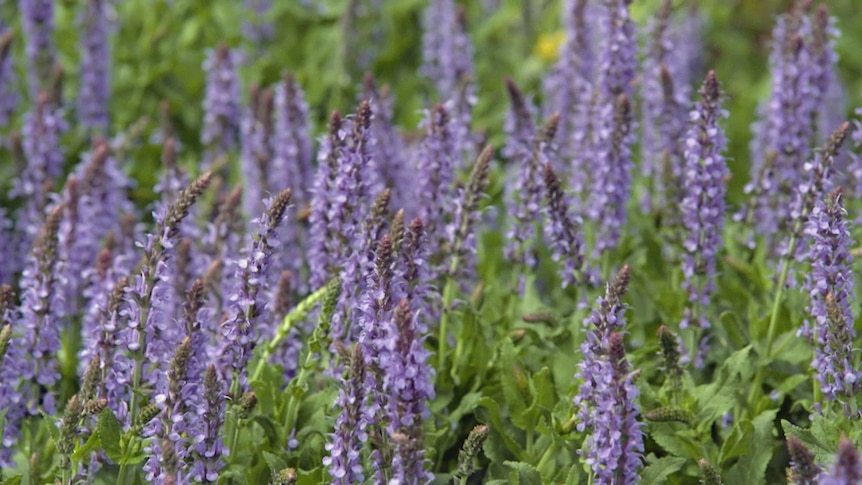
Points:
[[257, 151], [221, 109], [344, 451], [612, 177], [460, 232], [248, 308], [150, 335], [38, 21], [526, 198], [562, 231], [666, 96], [321, 259], [803, 469], [168, 447], [95, 67], [569, 85], [292, 146], [389, 149], [847, 468], [447, 51], [44, 156], [830, 286], [614, 449], [208, 441], [607, 155], [256, 27], [784, 133], [703, 207], [607, 317], [10, 398], [409, 387], [41, 311], [8, 82], [436, 162]]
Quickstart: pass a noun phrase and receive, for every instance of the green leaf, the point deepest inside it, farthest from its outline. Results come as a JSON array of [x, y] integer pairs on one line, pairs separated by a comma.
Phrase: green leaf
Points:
[[275, 463], [526, 473], [735, 331], [509, 371], [110, 434], [574, 475], [497, 426], [658, 471], [679, 443], [751, 467], [269, 428], [13, 480], [739, 441], [92, 444]]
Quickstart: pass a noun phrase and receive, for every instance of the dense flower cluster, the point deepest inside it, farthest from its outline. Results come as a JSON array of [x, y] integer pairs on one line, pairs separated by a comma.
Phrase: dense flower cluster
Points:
[[830, 287], [703, 207]]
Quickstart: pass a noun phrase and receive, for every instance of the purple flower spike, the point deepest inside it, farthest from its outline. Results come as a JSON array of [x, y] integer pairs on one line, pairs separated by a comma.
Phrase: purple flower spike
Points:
[[293, 148], [8, 82], [703, 207], [437, 160], [41, 313], [666, 94], [321, 258], [614, 449], [847, 469], [801, 63], [409, 387], [38, 20], [221, 103], [568, 87], [447, 51], [241, 330], [95, 67], [344, 458], [607, 316], [562, 230], [830, 286]]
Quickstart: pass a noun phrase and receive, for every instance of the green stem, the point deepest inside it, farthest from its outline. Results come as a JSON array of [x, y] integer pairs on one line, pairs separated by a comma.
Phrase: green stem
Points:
[[547, 455], [773, 320], [448, 296]]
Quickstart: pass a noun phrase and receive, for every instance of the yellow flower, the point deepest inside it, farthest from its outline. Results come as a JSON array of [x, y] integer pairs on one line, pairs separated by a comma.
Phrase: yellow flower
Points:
[[548, 45]]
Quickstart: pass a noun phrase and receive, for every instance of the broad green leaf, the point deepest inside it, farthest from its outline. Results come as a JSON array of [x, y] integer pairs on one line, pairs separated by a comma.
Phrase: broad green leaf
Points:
[[509, 379], [735, 331], [751, 467], [681, 444], [92, 444], [657, 472], [270, 428], [739, 441], [13, 480], [574, 475], [110, 434], [275, 463], [497, 426], [527, 474]]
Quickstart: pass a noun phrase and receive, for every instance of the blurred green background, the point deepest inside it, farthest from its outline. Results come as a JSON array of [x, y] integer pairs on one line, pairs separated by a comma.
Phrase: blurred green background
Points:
[[159, 47]]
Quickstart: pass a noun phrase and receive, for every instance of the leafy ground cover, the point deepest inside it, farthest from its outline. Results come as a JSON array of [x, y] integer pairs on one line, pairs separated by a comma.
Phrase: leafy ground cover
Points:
[[416, 242]]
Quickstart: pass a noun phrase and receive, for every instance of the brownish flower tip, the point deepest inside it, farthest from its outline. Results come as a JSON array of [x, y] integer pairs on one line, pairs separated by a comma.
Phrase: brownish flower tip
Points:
[[289, 80], [363, 115], [169, 154], [283, 300], [58, 75], [440, 117], [278, 207], [711, 89], [483, 163], [6, 44], [836, 140], [222, 53], [666, 81], [620, 284], [381, 204], [519, 105], [265, 108], [369, 83], [335, 123], [549, 131]]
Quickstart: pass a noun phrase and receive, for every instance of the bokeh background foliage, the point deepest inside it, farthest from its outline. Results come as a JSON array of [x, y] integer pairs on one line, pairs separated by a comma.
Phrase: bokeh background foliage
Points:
[[159, 48]]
